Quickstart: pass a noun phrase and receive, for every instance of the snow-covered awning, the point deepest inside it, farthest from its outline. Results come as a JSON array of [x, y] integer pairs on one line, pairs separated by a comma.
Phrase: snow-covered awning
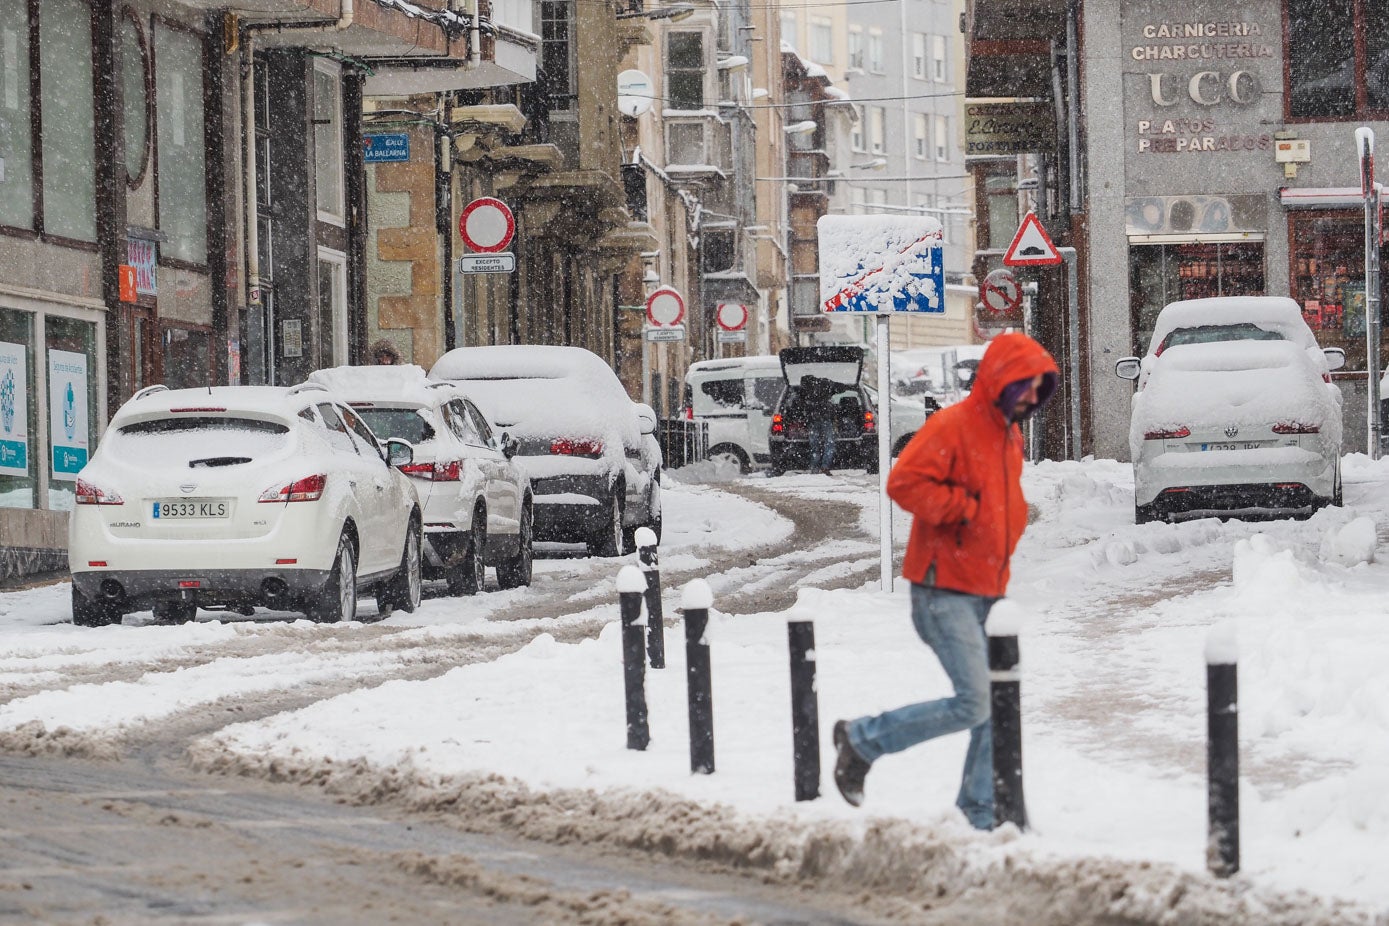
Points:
[[1324, 197]]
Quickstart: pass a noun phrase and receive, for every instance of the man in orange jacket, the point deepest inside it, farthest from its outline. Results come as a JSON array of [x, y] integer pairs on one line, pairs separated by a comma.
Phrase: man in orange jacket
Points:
[[960, 477]]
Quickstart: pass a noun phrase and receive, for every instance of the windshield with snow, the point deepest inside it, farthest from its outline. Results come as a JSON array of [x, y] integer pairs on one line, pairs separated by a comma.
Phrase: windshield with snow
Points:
[[1208, 334], [196, 440]]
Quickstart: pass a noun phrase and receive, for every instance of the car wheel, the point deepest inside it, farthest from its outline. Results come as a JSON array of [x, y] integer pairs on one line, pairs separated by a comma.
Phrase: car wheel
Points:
[[88, 613], [902, 444], [337, 601], [402, 590], [468, 576], [608, 539], [517, 572], [175, 612], [729, 455], [871, 467]]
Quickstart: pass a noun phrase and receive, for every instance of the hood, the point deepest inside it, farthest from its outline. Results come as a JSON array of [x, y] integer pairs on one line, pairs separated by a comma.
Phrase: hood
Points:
[[839, 364], [1009, 358]]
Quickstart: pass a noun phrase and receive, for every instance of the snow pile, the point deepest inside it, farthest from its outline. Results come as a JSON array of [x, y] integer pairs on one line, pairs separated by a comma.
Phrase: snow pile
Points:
[[1351, 544]]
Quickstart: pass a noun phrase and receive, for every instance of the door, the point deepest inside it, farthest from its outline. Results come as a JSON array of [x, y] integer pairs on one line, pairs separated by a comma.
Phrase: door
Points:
[[763, 392], [385, 508]]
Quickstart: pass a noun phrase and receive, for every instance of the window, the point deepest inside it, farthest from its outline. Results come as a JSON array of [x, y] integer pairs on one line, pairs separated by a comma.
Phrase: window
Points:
[[65, 78], [877, 117], [332, 299], [556, 76], [1329, 75], [720, 250], [16, 138], [327, 141], [187, 358], [942, 138], [875, 51], [856, 47], [821, 40], [337, 431], [856, 201], [1163, 273], [789, 28], [458, 422], [918, 56], [362, 436], [856, 132], [685, 143], [1002, 203], [135, 122], [72, 382], [685, 70], [18, 411], [484, 429], [920, 146], [178, 97], [938, 60], [726, 393]]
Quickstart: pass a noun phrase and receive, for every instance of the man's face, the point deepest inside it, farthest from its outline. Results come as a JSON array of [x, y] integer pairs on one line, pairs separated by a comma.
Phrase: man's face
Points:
[[1028, 400]]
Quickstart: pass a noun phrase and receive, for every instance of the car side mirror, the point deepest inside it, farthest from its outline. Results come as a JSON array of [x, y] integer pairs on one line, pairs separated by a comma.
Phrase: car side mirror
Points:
[[1127, 367], [509, 445], [399, 452], [1335, 357], [646, 419]]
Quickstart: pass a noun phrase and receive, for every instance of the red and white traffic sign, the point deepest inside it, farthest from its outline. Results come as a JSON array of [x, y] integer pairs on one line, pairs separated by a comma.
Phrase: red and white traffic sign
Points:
[[486, 225], [1031, 246], [1000, 293], [731, 316], [665, 307]]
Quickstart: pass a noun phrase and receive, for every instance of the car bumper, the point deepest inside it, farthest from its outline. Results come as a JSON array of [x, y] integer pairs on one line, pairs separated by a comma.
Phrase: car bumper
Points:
[[282, 589], [1287, 479], [848, 453], [570, 508]]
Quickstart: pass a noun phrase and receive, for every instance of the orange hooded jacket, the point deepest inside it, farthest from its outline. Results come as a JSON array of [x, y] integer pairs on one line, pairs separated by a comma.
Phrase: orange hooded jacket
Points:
[[960, 477]]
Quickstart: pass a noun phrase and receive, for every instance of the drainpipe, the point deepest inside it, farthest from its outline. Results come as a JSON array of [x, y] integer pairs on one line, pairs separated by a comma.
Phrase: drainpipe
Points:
[[475, 40], [1073, 105]]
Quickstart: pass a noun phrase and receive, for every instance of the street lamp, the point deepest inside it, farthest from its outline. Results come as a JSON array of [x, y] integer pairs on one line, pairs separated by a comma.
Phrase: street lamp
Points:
[[675, 13]]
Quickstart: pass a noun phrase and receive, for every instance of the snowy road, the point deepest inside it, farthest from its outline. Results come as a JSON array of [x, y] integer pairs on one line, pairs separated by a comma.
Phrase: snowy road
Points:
[[469, 757]]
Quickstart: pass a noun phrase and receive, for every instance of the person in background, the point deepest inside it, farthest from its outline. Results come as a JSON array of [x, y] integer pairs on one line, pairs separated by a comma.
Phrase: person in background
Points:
[[816, 393], [960, 478], [384, 353]]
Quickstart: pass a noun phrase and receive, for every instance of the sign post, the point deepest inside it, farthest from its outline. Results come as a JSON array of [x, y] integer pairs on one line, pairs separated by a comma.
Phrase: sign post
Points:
[[882, 265], [665, 312], [1365, 145]]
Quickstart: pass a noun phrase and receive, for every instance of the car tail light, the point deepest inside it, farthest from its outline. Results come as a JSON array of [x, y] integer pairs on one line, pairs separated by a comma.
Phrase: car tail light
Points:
[[869, 423], [447, 471], [308, 489], [1293, 427], [688, 413], [777, 424], [576, 448], [1169, 434], [88, 494]]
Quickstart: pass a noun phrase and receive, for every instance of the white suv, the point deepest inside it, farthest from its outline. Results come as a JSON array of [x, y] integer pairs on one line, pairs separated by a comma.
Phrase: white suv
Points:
[[231, 497], [735, 398]]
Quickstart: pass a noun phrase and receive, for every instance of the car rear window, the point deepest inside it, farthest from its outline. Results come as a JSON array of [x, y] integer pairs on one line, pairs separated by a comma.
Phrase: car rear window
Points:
[[409, 424], [1208, 334], [197, 440]]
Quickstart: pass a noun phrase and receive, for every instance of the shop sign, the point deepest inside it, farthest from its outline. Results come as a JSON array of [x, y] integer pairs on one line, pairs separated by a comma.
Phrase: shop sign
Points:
[[67, 413], [993, 129], [143, 255], [14, 409]]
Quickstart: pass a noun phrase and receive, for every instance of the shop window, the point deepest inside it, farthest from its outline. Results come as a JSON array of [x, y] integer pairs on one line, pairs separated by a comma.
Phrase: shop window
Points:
[[178, 60], [72, 404], [1331, 72], [685, 70], [68, 146], [18, 411], [327, 139], [1327, 279], [134, 64], [16, 131], [1163, 273]]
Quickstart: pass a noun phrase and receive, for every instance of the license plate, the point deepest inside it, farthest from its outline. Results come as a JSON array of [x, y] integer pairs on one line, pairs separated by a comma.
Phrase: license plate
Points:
[[191, 509], [1247, 445]]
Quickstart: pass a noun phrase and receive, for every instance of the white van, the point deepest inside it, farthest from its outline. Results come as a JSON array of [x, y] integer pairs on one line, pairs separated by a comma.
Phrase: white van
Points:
[[736, 397]]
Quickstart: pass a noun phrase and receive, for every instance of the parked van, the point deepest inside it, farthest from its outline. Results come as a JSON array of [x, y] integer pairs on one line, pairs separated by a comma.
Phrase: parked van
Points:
[[735, 397]]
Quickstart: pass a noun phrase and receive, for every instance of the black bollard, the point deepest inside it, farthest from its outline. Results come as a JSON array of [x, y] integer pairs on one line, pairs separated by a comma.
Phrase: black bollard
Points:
[[655, 619], [1005, 699], [1222, 756], [805, 710], [630, 586], [696, 602]]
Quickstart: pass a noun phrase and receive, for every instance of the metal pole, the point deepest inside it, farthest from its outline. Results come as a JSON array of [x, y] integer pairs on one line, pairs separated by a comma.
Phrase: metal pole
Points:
[[805, 711], [655, 618], [1033, 427], [696, 602], [1073, 335], [631, 584], [1005, 696], [1365, 143], [884, 456], [645, 368], [1222, 756]]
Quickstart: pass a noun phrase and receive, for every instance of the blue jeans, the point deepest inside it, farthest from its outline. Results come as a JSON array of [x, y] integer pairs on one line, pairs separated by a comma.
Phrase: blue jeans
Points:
[[952, 624], [821, 443]]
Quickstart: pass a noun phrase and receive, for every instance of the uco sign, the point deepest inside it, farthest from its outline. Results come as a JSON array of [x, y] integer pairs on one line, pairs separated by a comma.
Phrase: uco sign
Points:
[[1205, 88]]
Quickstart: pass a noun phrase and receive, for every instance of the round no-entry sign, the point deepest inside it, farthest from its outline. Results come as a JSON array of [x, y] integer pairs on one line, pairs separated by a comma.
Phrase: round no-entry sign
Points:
[[486, 225], [665, 307], [731, 316]]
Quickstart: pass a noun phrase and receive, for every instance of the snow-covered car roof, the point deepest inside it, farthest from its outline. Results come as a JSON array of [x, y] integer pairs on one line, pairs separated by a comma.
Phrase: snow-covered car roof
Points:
[[1272, 313], [540, 390], [760, 362], [277, 401], [405, 384]]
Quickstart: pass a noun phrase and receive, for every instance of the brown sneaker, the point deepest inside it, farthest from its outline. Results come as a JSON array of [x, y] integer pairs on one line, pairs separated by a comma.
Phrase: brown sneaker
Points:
[[849, 768]]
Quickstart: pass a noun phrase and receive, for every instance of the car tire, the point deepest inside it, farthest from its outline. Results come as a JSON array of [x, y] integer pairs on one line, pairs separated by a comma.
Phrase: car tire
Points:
[[516, 572], [608, 539], [175, 612], [337, 600], [871, 466], [729, 454], [88, 613], [902, 444], [402, 590], [468, 576]]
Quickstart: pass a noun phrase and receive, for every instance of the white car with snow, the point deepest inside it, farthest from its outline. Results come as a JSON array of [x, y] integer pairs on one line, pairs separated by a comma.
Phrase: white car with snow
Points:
[[1235, 412], [734, 397], [595, 474], [232, 497], [476, 501]]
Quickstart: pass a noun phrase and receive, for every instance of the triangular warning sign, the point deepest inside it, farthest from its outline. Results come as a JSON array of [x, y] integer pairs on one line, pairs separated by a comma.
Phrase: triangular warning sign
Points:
[[1031, 246]]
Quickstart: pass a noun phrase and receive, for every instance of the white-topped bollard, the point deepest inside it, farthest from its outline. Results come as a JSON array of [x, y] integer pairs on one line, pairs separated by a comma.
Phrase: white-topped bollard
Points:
[[1005, 699], [1222, 750], [695, 602], [645, 539], [631, 585]]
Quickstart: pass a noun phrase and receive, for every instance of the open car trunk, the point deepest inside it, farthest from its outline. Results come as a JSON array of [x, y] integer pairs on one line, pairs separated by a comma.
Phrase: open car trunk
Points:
[[841, 365]]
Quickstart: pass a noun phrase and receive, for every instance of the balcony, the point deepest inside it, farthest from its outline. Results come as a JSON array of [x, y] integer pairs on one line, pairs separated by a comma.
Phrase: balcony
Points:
[[359, 28], [508, 54]]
